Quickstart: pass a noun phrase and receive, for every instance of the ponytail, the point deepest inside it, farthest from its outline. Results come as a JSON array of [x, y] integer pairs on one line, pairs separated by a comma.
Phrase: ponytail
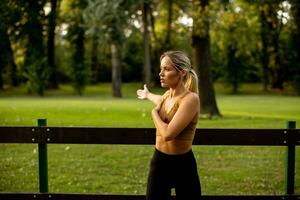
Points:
[[191, 81]]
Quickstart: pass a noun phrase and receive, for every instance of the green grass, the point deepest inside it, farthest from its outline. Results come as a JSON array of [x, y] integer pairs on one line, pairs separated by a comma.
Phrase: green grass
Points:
[[123, 169]]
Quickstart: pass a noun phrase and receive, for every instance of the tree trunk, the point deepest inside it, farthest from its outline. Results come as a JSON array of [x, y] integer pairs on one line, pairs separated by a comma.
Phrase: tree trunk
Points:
[[2, 55], [202, 59], [274, 26], [276, 70], [79, 70], [232, 68], [51, 46], [13, 67], [116, 68], [297, 20], [296, 8], [35, 31], [152, 20], [147, 63], [35, 53], [94, 60], [7, 57], [169, 25], [264, 54], [1, 79], [296, 35]]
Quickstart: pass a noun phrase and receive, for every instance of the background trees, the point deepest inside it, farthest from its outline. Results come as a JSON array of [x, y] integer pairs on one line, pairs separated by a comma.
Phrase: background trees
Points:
[[48, 42], [53, 82], [295, 38], [8, 16], [202, 57]]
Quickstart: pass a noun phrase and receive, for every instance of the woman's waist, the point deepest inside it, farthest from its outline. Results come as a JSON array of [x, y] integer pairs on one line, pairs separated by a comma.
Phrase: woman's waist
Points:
[[173, 147]]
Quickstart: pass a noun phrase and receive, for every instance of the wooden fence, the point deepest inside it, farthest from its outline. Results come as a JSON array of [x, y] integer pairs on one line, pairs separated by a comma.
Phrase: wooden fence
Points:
[[43, 135]]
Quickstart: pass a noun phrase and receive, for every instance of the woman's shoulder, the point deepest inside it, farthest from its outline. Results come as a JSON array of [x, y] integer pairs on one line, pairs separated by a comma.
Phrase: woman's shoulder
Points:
[[190, 98], [190, 101]]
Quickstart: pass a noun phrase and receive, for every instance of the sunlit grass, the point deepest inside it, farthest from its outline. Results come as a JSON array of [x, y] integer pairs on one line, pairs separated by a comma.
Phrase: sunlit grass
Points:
[[123, 169], [238, 111]]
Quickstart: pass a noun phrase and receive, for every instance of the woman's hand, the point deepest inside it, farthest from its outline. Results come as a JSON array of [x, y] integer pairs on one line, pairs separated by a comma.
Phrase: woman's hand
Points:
[[143, 94]]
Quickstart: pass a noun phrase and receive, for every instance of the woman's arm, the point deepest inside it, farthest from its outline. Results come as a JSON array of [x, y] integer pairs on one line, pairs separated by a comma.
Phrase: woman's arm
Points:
[[145, 94], [183, 116]]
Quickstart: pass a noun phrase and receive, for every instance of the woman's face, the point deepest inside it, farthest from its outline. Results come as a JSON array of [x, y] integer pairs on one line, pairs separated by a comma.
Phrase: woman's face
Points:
[[169, 76]]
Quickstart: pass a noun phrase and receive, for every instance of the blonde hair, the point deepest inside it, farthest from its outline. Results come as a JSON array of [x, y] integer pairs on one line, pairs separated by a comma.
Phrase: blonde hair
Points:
[[181, 62]]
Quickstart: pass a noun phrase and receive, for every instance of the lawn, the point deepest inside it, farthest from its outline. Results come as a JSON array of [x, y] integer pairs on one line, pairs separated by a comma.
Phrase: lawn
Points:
[[123, 169]]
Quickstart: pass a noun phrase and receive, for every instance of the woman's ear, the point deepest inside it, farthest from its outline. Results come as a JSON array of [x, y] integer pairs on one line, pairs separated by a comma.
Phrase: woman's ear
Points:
[[183, 73]]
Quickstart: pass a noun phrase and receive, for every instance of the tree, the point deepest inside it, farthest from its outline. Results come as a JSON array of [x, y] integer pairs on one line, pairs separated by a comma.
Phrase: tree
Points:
[[2, 57], [296, 39], [234, 73], [53, 82], [202, 59], [174, 9], [169, 25], [264, 56], [6, 56], [233, 55], [76, 35], [112, 18], [8, 16], [95, 66], [35, 60], [147, 61], [92, 19], [271, 26]]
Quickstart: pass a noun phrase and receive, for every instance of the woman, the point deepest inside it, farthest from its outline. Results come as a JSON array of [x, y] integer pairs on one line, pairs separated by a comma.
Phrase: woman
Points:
[[175, 117]]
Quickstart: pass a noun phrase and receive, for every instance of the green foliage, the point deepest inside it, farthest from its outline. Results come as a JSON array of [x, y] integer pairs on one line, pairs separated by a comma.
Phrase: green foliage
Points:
[[109, 18], [296, 83], [235, 35], [79, 77], [201, 18], [288, 53], [79, 71], [234, 58], [37, 75], [76, 36]]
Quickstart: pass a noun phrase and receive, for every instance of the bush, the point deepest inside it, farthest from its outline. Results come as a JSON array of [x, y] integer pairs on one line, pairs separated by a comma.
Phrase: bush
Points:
[[37, 75]]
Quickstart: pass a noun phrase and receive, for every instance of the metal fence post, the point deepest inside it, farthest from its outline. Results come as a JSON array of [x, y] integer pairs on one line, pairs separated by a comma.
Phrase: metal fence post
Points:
[[43, 161], [290, 164]]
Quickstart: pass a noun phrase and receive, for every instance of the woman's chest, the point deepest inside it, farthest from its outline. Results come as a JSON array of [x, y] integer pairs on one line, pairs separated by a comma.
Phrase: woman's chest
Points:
[[168, 110]]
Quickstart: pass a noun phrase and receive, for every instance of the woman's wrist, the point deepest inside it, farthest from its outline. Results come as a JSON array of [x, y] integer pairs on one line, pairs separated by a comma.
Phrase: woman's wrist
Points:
[[147, 95]]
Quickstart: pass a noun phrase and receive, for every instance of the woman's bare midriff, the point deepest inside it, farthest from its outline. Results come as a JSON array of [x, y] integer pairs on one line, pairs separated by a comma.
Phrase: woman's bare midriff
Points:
[[173, 147]]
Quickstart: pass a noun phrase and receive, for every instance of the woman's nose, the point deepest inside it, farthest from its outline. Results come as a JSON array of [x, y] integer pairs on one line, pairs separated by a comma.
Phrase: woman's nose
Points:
[[160, 73]]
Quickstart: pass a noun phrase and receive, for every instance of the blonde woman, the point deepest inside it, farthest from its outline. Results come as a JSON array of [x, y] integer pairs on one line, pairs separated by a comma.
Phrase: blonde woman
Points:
[[175, 117]]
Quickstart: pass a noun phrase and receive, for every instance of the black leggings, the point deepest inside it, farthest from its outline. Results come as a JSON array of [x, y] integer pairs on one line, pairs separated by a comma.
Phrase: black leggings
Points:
[[173, 171]]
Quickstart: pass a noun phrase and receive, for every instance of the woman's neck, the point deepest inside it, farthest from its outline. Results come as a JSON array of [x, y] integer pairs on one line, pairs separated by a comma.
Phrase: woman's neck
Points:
[[178, 90]]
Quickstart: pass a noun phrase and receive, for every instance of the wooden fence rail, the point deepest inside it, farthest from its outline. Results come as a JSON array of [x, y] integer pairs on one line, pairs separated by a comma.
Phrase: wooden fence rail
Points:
[[43, 135]]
